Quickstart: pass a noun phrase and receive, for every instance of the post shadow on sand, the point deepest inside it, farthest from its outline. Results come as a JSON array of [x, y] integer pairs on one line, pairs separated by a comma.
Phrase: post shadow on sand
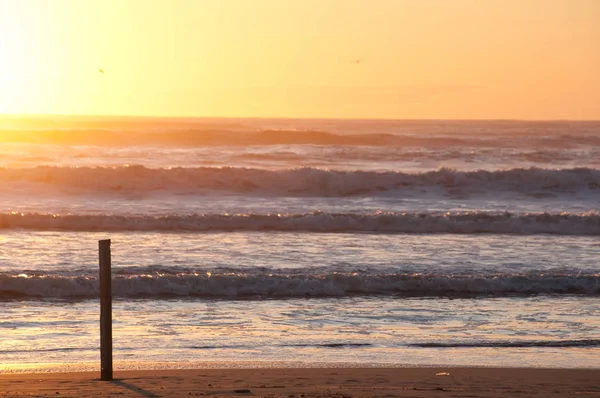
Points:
[[131, 387]]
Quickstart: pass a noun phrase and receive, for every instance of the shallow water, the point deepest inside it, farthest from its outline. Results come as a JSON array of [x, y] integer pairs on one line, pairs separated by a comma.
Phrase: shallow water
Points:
[[544, 331]]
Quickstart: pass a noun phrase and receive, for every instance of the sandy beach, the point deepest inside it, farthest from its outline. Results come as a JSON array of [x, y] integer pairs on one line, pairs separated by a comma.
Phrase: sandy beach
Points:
[[300, 199], [298, 383]]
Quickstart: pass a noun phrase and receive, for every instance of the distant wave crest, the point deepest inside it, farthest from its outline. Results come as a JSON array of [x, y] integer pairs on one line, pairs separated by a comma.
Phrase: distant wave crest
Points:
[[422, 134], [296, 182]]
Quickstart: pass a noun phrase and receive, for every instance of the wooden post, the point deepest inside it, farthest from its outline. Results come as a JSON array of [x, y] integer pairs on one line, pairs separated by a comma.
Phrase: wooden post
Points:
[[106, 362]]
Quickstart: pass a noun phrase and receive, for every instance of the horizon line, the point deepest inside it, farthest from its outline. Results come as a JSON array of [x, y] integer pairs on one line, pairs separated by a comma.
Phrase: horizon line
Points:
[[141, 116]]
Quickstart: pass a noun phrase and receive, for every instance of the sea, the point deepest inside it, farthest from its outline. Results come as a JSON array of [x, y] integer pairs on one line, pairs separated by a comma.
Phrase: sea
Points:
[[300, 242]]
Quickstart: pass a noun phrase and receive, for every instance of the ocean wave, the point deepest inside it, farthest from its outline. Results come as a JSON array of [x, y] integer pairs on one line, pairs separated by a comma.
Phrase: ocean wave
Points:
[[296, 182], [194, 137], [368, 133], [282, 285], [582, 224]]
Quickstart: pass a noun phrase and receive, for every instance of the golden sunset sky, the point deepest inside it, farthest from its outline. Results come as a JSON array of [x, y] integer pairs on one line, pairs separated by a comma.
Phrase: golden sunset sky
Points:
[[442, 59]]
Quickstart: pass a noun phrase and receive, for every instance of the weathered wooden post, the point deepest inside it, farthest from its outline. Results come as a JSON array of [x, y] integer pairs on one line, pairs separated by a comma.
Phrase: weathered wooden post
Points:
[[106, 362]]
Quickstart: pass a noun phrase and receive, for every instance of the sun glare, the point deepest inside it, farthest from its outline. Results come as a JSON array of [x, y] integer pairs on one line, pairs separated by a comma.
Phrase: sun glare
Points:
[[13, 62]]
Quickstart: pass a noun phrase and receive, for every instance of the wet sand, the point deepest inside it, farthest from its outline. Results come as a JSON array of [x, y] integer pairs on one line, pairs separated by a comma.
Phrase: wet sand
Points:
[[313, 382]]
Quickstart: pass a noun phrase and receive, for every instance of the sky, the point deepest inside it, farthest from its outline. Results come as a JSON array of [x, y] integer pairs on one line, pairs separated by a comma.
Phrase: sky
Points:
[[396, 59]]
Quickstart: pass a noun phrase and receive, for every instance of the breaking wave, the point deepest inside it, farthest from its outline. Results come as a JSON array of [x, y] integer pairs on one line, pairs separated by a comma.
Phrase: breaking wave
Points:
[[280, 285], [583, 224], [296, 182]]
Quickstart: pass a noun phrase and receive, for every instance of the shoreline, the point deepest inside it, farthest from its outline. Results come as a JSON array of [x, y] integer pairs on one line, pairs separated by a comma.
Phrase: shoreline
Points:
[[121, 366], [311, 382]]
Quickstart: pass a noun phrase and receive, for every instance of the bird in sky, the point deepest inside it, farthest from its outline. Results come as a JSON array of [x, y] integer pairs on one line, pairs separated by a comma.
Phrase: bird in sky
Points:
[[101, 71]]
